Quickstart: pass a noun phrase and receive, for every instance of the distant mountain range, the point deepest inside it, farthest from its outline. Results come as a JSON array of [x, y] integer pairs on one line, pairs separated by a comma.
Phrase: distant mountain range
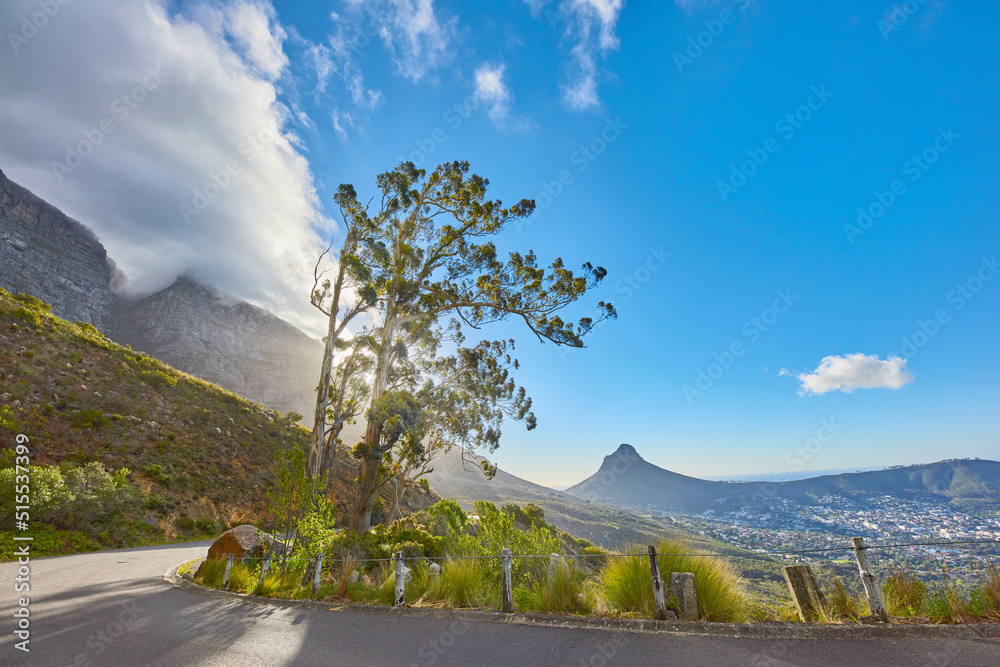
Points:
[[625, 478], [189, 325]]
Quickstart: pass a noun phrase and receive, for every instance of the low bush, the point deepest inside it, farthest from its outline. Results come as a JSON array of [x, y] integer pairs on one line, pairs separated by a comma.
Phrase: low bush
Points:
[[628, 588]]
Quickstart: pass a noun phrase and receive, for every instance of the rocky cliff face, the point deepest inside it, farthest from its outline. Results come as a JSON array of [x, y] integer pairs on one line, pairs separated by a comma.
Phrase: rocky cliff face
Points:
[[190, 326], [47, 254], [218, 338]]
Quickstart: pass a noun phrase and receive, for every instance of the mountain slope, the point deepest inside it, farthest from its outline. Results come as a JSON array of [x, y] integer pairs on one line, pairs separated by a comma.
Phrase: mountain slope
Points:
[[625, 478], [223, 340], [197, 451], [189, 325], [47, 254]]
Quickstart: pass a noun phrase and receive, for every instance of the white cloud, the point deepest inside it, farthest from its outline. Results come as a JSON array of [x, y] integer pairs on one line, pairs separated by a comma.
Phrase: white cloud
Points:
[[254, 27], [414, 33], [213, 102], [854, 371], [491, 90], [535, 7], [591, 26]]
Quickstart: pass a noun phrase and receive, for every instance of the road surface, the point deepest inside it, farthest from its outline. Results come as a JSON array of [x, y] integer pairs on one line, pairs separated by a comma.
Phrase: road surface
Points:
[[115, 608]]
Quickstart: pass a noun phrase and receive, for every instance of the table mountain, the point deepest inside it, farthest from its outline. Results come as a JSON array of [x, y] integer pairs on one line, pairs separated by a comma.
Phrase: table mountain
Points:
[[191, 326]]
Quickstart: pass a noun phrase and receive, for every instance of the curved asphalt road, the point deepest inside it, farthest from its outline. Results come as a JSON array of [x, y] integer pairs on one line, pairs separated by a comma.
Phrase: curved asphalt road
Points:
[[114, 608]]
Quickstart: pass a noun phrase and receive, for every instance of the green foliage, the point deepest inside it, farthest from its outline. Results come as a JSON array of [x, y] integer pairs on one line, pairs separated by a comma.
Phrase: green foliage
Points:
[[904, 594], [47, 541], [210, 573], [562, 591], [49, 494], [496, 531], [445, 518], [156, 472], [405, 535], [465, 583], [843, 604], [28, 316], [101, 500], [243, 577], [89, 419], [8, 421], [33, 302], [628, 588], [299, 506]]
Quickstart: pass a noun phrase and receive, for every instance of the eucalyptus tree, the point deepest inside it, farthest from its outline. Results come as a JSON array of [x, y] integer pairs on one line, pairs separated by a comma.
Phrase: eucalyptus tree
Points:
[[430, 257], [466, 397], [349, 294]]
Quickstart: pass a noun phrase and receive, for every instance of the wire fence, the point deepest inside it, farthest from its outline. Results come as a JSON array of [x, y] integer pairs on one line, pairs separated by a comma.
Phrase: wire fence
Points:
[[695, 554], [510, 569]]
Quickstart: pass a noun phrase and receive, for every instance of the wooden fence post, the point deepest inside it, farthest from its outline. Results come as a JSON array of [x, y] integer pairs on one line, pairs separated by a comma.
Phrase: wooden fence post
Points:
[[319, 573], [264, 567], [872, 589], [229, 567], [400, 596], [805, 591], [658, 600], [506, 586]]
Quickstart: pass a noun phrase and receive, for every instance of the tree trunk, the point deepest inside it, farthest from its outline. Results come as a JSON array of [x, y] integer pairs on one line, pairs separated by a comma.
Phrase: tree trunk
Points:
[[323, 391]]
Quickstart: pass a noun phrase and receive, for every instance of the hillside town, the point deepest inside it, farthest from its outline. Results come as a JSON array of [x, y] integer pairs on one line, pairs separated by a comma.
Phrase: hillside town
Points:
[[778, 525]]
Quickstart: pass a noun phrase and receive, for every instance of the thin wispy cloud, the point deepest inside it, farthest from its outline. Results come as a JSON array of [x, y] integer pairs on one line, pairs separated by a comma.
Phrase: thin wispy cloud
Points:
[[416, 34], [854, 371], [590, 27], [492, 91]]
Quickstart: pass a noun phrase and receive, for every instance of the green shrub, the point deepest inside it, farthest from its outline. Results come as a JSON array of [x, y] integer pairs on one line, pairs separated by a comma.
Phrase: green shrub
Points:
[[47, 541], [628, 589], [497, 531], [156, 472], [562, 592], [102, 500], [33, 302], [210, 573], [49, 493], [464, 582], [207, 525], [243, 577], [88, 419], [904, 595], [842, 604], [28, 316]]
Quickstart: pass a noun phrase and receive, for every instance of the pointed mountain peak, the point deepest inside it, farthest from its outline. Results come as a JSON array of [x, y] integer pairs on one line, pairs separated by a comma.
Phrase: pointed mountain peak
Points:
[[626, 450]]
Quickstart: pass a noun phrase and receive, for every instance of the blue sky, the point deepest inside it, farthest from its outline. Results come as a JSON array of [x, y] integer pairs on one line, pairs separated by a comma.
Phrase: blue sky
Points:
[[713, 156]]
